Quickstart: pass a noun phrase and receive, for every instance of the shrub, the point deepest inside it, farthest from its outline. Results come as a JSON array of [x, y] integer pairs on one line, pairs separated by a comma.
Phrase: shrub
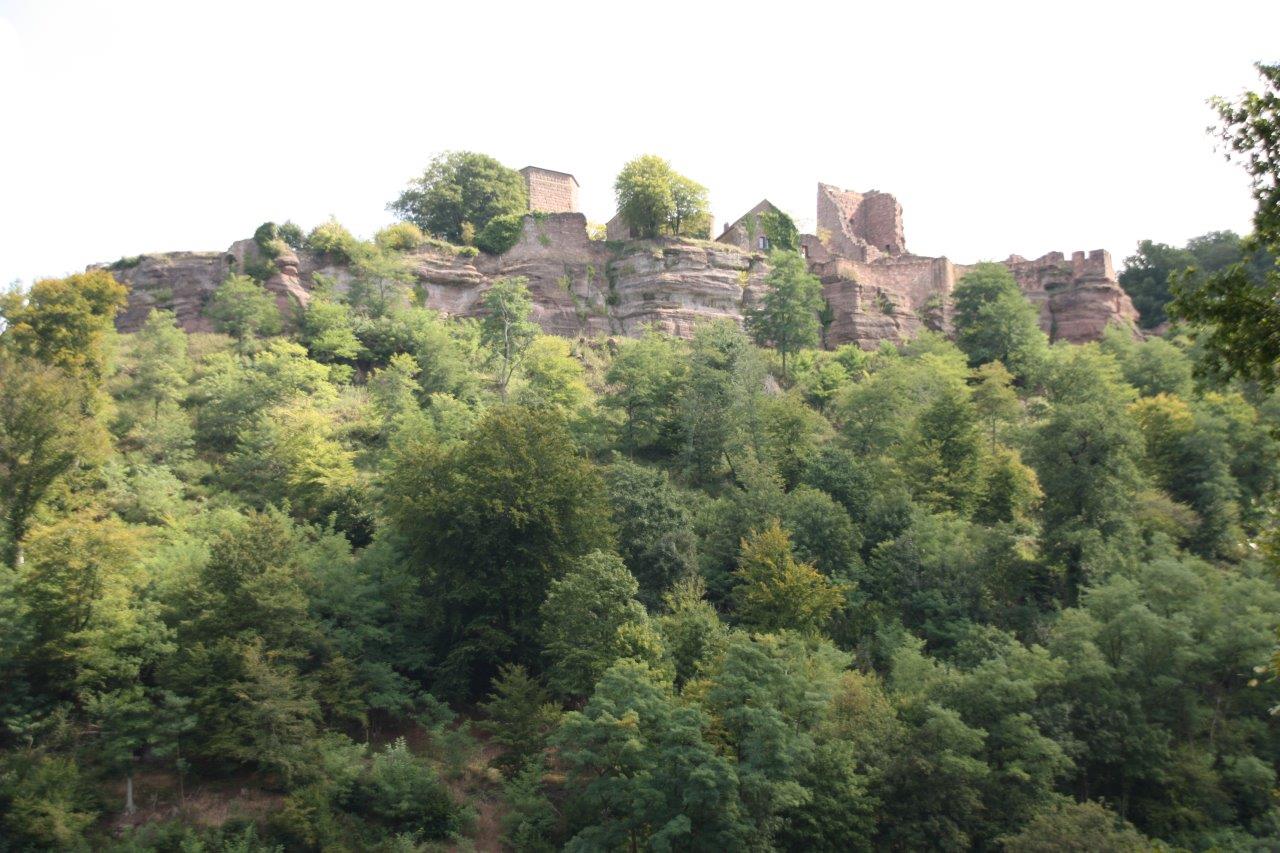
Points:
[[267, 232], [126, 263], [330, 238], [270, 240], [400, 237], [501, 233], [403, 794], [291, 234]]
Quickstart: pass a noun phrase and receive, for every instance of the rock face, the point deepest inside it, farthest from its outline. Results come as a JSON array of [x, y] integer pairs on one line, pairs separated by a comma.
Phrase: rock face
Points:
[[181, 282], [580, 287], [1078, 298]]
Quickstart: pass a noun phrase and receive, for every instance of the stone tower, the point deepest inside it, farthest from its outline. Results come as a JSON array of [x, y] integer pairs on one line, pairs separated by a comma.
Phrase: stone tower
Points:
[[550, 191]]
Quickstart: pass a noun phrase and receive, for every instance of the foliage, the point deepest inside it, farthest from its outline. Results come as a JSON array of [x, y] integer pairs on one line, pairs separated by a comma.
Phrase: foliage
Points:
[[330, 238], [788, 313], [915, 598], [491, 522], [780, 230], [400, 237], [64, 322], [500, 233], [775, 592], [44, 436], [1086, 826], [654, 199], [655, 532], [588, 619], [995, 322], [461, 188], [641, 771], [1234, 310], [242, 308], [520, 717], [506, 328]]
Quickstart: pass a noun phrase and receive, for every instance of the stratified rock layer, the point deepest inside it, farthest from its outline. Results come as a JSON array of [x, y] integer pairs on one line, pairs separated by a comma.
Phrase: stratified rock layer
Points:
[[587, 288]]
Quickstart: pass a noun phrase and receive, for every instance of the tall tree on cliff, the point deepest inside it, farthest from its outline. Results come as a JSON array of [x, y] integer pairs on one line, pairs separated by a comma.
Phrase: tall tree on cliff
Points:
[[1238, 313], [506, 328], [461, 188], [787, 316], [655, 199], [995, 322]]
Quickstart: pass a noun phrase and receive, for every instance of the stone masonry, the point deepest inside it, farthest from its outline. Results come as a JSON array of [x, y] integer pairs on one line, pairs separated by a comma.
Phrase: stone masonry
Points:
[[747, 233], [550, 191]]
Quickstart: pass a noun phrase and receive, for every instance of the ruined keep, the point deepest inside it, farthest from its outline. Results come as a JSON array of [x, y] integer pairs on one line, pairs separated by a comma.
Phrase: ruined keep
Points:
[[550, 191], [877, 291]]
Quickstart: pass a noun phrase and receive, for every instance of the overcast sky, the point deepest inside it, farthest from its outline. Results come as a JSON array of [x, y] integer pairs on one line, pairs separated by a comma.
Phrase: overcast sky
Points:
[[130, 127]]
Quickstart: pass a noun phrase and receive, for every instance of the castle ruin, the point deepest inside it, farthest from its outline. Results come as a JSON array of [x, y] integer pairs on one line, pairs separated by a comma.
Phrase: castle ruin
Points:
[[876, 290]]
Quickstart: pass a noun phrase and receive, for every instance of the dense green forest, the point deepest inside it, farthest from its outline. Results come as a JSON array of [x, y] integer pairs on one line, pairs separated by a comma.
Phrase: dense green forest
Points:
[[364, 578]]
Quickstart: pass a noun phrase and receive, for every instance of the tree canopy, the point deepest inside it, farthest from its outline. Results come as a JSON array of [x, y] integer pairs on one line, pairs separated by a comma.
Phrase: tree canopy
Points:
[[458, 195]]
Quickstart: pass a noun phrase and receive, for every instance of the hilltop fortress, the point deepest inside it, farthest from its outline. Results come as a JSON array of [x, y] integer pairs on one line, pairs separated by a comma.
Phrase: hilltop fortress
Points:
[[877, 290]]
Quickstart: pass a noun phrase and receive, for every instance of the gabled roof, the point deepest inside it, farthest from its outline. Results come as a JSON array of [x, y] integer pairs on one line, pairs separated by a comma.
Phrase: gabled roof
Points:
[[763, 206]]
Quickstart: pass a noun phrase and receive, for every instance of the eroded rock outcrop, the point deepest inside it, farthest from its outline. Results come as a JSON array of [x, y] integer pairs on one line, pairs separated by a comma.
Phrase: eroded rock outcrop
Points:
[[579, 287], [582, 287]]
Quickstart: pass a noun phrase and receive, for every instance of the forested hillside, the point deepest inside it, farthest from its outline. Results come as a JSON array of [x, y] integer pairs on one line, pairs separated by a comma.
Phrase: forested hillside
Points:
[[390, 580], [362, 577]]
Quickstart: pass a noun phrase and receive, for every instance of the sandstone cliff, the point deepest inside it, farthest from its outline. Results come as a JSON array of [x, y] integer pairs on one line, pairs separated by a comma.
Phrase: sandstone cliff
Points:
[[587, 288]]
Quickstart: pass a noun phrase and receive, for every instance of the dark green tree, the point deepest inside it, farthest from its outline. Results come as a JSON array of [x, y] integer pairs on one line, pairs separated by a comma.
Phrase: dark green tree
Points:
[[642, 772], [995, 322], [787, 316], [489, 523], [655, 530], [461, 188]]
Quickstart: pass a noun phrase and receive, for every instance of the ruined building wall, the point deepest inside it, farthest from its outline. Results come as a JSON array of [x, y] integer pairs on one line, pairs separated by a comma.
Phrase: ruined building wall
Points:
[[860, 226]]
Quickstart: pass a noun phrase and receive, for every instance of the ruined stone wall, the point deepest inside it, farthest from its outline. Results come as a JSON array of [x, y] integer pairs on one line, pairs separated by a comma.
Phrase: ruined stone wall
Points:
[[860, 226], [879, 223], [550, 192], [1077, 298]]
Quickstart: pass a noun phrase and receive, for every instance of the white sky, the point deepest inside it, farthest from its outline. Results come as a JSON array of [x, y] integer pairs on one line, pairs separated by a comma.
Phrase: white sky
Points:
[[129, 127]]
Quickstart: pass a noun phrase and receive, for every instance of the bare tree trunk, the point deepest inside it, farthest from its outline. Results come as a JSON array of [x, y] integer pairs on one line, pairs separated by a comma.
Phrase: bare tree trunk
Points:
[[129, 807]]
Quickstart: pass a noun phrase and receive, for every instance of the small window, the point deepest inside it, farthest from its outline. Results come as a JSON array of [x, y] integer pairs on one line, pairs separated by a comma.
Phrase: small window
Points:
[[763, 243], [804, 250]]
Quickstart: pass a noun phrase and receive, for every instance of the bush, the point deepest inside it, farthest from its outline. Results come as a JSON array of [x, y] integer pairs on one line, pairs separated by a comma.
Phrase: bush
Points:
[[330, 238], [45, 803], [292, 235], [266, 233], [501, 233], [400, 237], [403, 794]]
